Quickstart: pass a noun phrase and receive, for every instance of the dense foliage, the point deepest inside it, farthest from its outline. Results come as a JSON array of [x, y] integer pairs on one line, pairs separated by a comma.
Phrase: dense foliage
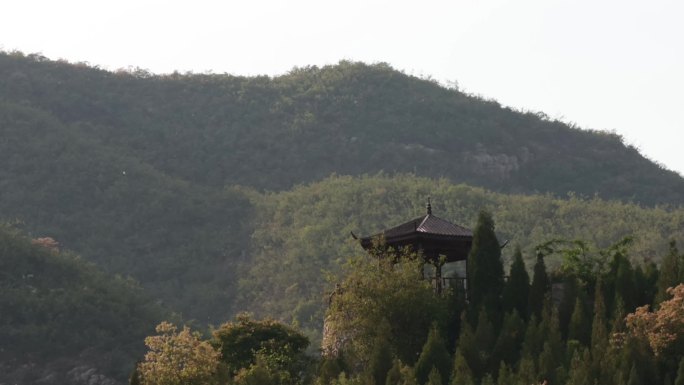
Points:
[[193, 185], [301, 234], [349, 118], [58, 312]]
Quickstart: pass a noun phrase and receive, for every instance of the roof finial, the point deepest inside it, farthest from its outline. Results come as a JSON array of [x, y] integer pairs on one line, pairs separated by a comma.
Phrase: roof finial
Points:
[[429, 207]]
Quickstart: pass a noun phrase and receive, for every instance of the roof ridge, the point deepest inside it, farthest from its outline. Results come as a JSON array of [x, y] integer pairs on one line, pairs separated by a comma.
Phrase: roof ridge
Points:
[[423, 221]]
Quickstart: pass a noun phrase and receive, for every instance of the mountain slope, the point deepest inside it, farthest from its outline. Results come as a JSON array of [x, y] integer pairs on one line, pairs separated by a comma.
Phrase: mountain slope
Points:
[[350, 118], [177, 239], [62, 318], [302, 234]]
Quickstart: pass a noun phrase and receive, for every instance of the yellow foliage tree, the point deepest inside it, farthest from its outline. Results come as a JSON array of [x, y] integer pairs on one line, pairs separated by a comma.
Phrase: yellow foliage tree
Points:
[[663, 328], [178, 358]]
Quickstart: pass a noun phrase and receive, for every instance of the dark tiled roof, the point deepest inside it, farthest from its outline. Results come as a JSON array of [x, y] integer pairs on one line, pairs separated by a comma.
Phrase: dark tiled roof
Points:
[[428, 224]]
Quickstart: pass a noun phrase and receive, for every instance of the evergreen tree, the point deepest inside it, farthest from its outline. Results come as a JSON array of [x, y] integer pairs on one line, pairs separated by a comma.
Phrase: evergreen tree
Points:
[[487, 380], [455, 300], [485, 268], [552, 354], [507, 346], [434, 354], [599, 334], [579, 326], [485, 337], [518, 285], [434, 378], [462, 374], [380, 361], [625, 284], [505, 376], [634, 377], [541, 285], [680, 373], [329, 370], [534, 341], [567, 304], [527, 372], [580, 373], [467, 348], [394, 374], [671, 272]]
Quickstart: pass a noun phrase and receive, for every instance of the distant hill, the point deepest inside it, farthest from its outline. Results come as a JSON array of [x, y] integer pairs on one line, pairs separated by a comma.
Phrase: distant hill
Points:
[[302, 234], [349, 118], [64, 321], [215, 191]]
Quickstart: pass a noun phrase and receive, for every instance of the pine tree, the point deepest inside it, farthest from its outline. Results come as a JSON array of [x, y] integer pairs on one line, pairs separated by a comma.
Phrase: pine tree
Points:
[[541, 285], [518, 285], [485, 268], [434, 354]]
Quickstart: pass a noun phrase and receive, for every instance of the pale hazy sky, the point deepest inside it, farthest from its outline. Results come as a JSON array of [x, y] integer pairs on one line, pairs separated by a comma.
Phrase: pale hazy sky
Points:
[[607, 65]]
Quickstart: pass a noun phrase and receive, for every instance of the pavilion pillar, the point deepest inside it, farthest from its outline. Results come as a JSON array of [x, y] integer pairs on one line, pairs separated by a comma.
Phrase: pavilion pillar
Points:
[[438, 278]]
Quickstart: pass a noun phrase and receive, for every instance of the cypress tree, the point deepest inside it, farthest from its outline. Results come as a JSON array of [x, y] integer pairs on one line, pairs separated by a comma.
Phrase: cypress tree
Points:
[[394, 374], [552, 354], [434, 378], [467, 346], [680, 373], [380, 361], [634, 377], [484, 335], [434, 354], [505, 376], [330, 369], [578, 329], [671, 272], [462, 374], [518, 285], [487, 380], [485, 268], [455, 307], [580, 374], [599, 334], [540, 286], [507, 347]]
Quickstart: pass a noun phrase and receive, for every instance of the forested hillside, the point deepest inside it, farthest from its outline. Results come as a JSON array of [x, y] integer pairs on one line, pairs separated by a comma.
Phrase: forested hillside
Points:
[[350, 118], [220, 193], [303, 233], [63, 320]]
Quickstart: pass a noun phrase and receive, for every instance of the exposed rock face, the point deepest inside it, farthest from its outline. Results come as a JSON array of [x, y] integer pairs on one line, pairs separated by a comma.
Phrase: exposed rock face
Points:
[[54, 374], [495, 164], [84, 375]]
